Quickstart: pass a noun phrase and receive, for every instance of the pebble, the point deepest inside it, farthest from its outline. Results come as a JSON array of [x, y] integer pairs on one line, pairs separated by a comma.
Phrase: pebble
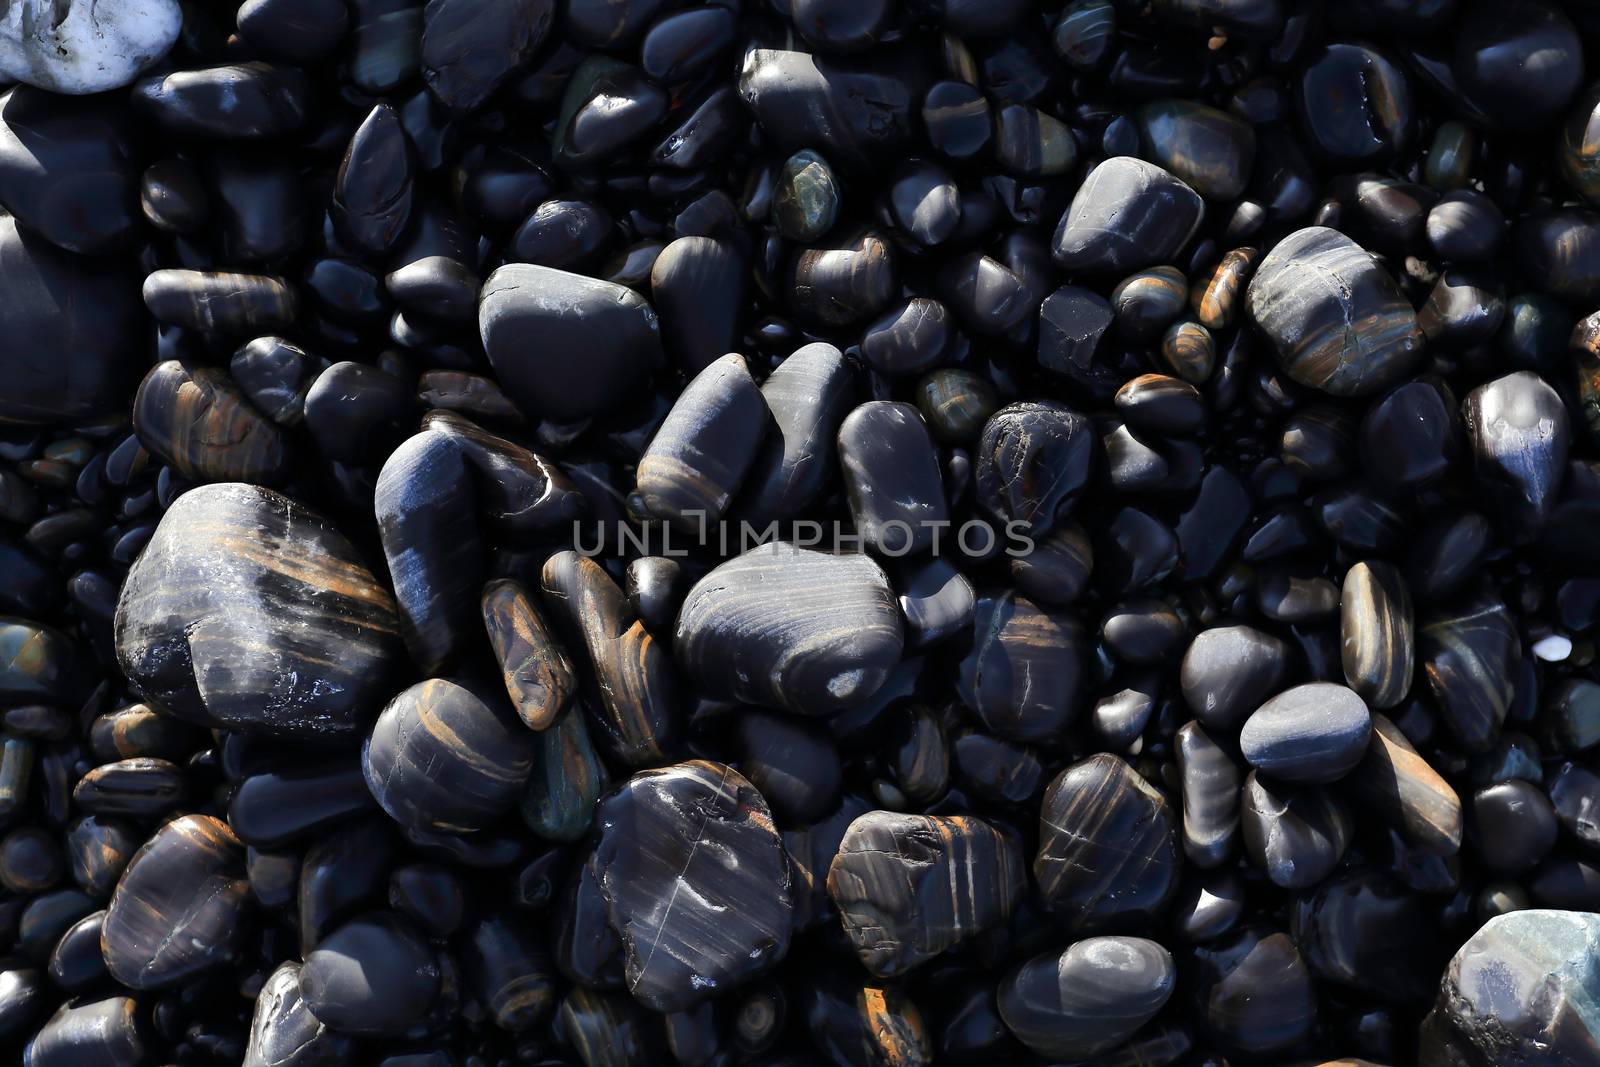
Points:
[[891, 475], [1108, 847], [1399, 786], [372, 977], [1210, 780], [81, 49], [699, 456], [1253, 993], [198, 421], [809, 395], [68, 169], [1229, 671], [910, 887], [734, 921], [1307, 289], [1519, 434], [1088, 999], [1311, 734], [1024, 672], [1469, 655], [249, 612], [1377, 634], [373, 189], [1127, 214], [1296, 835], [284, 1033], [468, 51], [1018, 444]]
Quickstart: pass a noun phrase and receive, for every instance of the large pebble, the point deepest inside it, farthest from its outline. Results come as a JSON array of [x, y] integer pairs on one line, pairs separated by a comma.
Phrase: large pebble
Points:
[[81, 46], [69, 170], [891, 474], [1126, 215], [1311, 734], [698, 458], [1092, 997], [1297, 835], [1396, 784], [1108, 847], [470, 49], [908, 887], [1470, 655], [1518, 427], [373, 977], [1033, 460], [1377, 633], [533, 318], [89, 1033], [1229, 671], [197, 420], [284, 1033], [1023, 672], [695, 882], [178, 912], [791, 628], [1252, 992], [1336, 319], [250, 612], [1524, 991]]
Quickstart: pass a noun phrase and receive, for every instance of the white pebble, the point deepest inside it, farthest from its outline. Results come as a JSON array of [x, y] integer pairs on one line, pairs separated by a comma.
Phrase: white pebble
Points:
[[1553, 649]]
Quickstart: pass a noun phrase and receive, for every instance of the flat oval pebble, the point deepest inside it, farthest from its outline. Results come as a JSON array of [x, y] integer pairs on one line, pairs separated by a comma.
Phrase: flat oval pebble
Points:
[[179, 910], [698, 458], [700, 904], [1089, 998], [372, 977], [749, 629], [249, 611], [1310, 734]]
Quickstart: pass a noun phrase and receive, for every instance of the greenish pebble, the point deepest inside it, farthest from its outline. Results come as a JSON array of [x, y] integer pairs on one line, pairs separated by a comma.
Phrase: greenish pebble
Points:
[[806, 202], [1535, 331], [567, 779], [1449, 162]]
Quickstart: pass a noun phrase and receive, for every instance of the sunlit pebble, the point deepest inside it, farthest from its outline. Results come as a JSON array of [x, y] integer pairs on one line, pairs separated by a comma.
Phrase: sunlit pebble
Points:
[[1553, 649]]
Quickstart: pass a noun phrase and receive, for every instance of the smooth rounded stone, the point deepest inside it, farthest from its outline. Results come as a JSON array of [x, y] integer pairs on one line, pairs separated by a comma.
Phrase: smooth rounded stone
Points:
[[1366, 932], [373, 190], [531, 318], [1087, 999], [793, 762], [247, 611], [1121, 715], [30, 860], [1558, 253], [1295, 835], [61, 367], [387, 43], [919, 756], [699, 457], [1127, 215], [805, 202], [808, 395], [1311, 734], [510, 973], [1210, 782], [1518, 63], [892, 478], [957, 119], [424, 501], [341, 870], [1072, 323], [98, 850], [1376, 633], [1519, 433], [1142, 631], [215, 302], [89, 1033], [936, 600], [68, 169], [37, 662], [909, 338], [1217, 297], [564, 234], [22, 1000], [1518, 993], [1161, 404], [1030, 143], [1210, 906], [357, 413], [820, 102], [296, 31], [985, 293], [1469, 655], [909, 887], [700, 827], [1189, 351], [138, 787], [1024, 671], [1108, 847], [444, 758], [567, 778], [680, 46], [197, 420], [1033, 460], [1575, 796], [1085, 34], [276, 808], [637, 712], [439, 288], [843, 285], [178, 912], [1464, 308], [430, 894], [1411, 437], [956, 404], [1209, 150], [1252, 992], [1284, 597], [698, 285], [1229, 671], [1058, 569], [1571, 717], [1513, 826], [1398, 785], [237, 102], [608, 107], [538, 676], [655, 586], [275, 375], [754, 629], [1355, 104], [78, 48], [372, 977], [284, 1033], [1307, 294], [1465, 227], [520, 493], [1147, 302], [469, 51], [924, 202]]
